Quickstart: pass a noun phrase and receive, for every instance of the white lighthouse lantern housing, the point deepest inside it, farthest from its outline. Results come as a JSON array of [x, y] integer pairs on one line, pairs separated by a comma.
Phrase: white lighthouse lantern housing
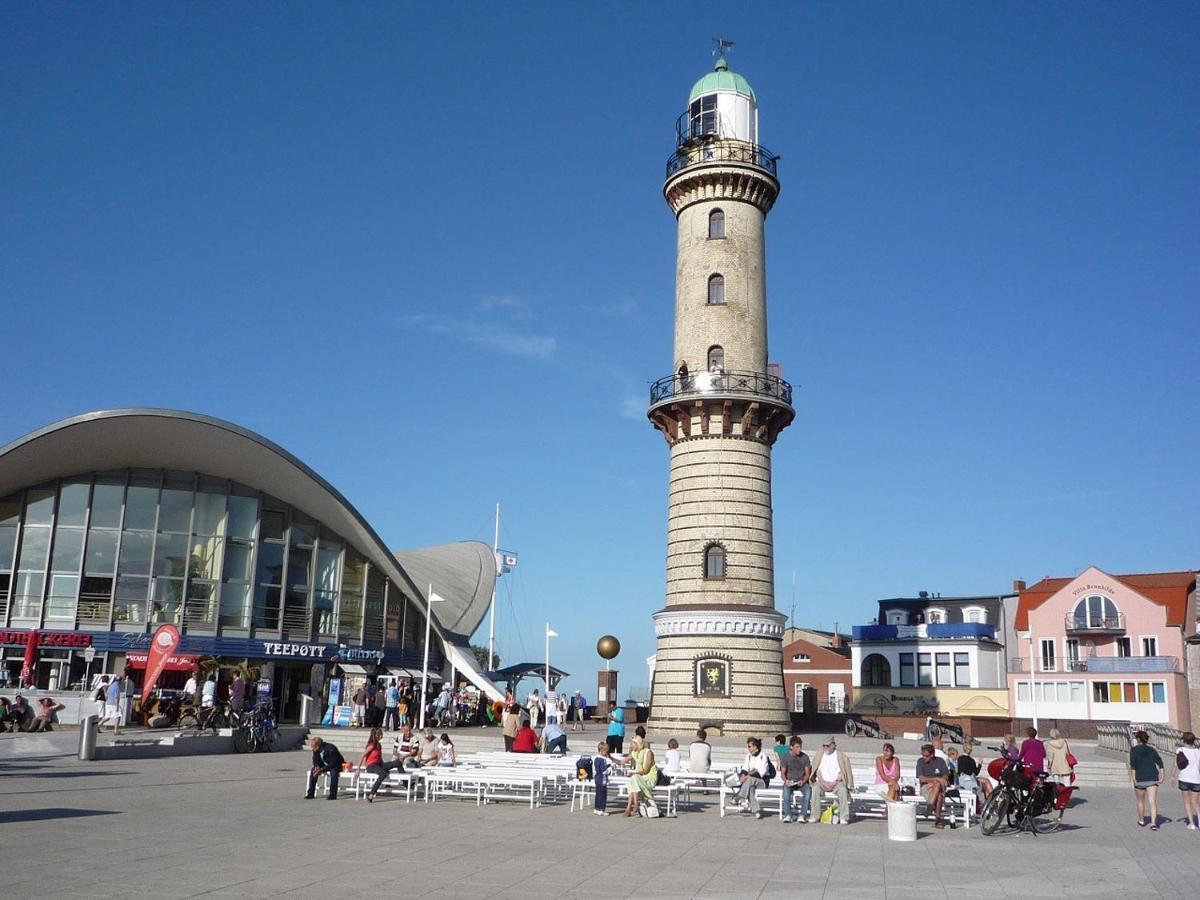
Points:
[[721, 105]]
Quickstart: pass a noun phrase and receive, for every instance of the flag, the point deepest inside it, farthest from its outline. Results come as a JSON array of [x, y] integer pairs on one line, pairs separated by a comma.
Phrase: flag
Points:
[[162, 644], [505, 560], [436, 598], [551, 633]]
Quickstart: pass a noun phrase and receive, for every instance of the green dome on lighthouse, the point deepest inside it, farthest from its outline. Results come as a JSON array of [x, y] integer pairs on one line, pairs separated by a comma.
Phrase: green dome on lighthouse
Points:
[[721, 79]]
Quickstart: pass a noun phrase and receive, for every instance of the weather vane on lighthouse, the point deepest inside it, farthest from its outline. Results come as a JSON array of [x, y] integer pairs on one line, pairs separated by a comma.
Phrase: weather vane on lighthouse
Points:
[[721, 46]]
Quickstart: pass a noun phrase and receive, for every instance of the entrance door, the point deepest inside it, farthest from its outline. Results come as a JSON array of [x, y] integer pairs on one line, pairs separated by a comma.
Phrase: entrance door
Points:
[[287, 690], [837, 697]]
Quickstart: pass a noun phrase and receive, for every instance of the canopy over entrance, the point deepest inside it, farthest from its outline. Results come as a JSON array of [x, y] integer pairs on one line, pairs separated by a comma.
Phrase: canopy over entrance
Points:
[[513, 674]]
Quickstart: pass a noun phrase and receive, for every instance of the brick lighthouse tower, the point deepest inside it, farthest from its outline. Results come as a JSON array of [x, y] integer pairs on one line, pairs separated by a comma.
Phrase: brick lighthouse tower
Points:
[[719, 657]]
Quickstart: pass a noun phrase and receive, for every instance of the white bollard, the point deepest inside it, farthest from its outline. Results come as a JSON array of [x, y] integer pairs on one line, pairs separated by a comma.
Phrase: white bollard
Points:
[[902, 821]]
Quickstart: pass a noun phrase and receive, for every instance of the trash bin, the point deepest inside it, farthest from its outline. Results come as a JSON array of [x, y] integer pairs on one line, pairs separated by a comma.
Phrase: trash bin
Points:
[[902, 821]]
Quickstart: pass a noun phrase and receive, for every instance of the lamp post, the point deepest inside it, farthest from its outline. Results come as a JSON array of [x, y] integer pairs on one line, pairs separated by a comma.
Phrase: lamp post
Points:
[[549, 634], [1032, 680], [433, 598]]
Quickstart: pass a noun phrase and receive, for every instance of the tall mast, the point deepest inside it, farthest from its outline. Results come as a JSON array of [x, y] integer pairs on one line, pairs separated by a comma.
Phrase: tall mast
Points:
[[492, 619]]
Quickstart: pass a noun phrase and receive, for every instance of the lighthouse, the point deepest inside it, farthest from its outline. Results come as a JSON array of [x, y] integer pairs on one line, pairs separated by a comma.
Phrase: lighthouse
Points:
[[719, 639]]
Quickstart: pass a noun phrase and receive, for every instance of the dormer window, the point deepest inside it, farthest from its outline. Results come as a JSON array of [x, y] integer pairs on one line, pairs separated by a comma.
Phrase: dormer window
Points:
[[896, 617], [801, 658], [935, 616], [975, 614]]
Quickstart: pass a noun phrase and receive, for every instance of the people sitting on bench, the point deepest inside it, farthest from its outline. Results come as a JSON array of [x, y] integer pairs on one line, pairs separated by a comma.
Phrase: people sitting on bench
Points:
[[887, 774], [325, 758], [934, 777], [835, 775]]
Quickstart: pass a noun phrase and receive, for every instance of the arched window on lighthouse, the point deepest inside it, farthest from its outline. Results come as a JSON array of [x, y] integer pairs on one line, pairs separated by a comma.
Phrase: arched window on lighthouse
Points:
[[714, 562], [716, 290], [716, 224], [716, 360]]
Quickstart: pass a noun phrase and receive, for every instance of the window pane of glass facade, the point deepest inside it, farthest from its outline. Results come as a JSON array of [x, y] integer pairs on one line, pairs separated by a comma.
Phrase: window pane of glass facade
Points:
[[175, 510], [168, 599], [171, 555], [130, 605], [924, 670], [235, 605], [39, 506], [35, 548], [135, 553], [943, 669], [210, 513], [201, 608], [237, 561], [266, 607], [140, 503], [204, 560], [106, 505], [1022, 691], [243, 516], [10, 510], [906, 670], [1160, 692], [270, 564], [72, 503], [27, 598], [962, 669], [8, 546], [101, 556], [68, 549], [299, 562], [60, 601], [274, 523]]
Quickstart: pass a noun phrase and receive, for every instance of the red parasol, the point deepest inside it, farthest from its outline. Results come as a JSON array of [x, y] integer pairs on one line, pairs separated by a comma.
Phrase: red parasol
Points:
[[30, 660]]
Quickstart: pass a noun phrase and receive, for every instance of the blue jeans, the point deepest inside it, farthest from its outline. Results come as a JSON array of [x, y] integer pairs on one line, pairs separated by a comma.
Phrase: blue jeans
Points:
[[789, 811]]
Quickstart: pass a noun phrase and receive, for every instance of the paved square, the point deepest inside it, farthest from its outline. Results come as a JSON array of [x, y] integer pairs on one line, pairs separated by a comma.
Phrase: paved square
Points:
[[237, 827]]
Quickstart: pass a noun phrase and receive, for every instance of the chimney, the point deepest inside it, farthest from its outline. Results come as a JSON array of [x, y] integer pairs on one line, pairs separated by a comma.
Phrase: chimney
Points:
[[1018, 585]]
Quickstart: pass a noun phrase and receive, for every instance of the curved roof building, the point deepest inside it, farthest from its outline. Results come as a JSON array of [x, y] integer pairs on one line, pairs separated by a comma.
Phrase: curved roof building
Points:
[[114, 522]]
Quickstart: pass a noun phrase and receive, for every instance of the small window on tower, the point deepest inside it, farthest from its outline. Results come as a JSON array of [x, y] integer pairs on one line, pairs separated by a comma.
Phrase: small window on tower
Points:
[[716, 290], [716, 360], [714, 562], [716, 224]]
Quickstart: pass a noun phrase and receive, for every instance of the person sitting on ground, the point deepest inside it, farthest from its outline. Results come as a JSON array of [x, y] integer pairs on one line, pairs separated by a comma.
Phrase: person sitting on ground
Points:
[[325, 758], [406, 749], [887, 774], [795, 770], [1033, 751], [753, 775], [553, 738], [644, 778], [45, 714], [934, 777], [700, 754], [525, 740], [19, 713], [673, 762], [371, 761], [834, 774], [5, 709], [970, 778], [446, 755]]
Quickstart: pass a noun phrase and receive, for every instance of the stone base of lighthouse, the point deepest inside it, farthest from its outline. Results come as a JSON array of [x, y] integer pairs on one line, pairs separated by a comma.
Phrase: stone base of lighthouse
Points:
[[719, 667]]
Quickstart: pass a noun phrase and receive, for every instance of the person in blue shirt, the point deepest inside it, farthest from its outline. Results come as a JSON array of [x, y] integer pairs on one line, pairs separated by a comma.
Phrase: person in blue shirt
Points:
[[553, 739], [112, 705], [616, 730]]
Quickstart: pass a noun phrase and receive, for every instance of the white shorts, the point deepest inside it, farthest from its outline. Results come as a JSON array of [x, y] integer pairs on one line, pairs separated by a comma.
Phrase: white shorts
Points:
[[112, 711]]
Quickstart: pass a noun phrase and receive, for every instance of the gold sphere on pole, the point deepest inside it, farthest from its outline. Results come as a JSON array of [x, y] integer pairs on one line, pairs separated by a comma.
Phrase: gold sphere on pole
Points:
[[608, 647]]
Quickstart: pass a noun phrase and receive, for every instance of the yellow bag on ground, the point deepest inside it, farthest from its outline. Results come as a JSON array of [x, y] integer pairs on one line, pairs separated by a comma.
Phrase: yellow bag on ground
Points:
[[827, 815]]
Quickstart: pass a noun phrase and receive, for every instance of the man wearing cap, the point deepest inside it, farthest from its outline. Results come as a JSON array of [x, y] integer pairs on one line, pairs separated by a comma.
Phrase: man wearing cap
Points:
[[833, 774]]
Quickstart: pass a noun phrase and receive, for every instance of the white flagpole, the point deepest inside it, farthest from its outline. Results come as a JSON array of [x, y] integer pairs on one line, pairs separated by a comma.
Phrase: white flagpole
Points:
[[1032, 679], [547, 658], [425, 664], [492, 619]]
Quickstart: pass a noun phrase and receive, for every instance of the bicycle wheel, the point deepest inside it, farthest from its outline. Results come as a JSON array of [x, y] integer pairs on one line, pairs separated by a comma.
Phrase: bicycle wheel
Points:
[[189, 720], [1041, 821], [270, 738], [995, 811], [241, 740]]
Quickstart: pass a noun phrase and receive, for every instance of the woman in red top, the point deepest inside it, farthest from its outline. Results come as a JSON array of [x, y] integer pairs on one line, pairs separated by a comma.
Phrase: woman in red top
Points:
[[526, 739], [372, 761]]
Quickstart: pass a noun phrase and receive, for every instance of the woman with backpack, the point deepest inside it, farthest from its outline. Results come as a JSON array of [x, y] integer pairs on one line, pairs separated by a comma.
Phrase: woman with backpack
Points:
[[757, 771], [1187, 761]]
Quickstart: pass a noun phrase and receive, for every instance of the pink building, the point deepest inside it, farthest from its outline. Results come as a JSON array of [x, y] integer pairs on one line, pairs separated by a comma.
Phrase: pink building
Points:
[[1103, 647]]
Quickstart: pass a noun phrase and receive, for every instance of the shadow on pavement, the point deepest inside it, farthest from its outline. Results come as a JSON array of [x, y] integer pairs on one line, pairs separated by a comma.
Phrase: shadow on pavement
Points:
[[38, 815]]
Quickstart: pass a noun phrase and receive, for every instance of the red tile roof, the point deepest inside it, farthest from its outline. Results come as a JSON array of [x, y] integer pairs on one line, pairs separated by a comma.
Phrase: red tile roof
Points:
[[1169, 589]]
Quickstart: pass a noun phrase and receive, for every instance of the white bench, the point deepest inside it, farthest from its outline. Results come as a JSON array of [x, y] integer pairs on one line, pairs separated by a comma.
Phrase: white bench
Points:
[[397, 782], [768, 797], [484, 785]]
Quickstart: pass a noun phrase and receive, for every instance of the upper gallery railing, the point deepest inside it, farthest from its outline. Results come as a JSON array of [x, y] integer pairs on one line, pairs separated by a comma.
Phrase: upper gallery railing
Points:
[[755, 384]]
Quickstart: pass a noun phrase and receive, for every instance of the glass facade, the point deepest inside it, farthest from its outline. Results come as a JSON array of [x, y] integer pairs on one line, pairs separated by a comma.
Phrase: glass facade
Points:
[[133, 549]]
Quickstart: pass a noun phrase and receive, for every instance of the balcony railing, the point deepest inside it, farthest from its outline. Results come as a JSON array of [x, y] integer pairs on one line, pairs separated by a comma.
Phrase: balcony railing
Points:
[[930, 630], [1095, 624], [701, 384], [701, 152], [1102, 665]]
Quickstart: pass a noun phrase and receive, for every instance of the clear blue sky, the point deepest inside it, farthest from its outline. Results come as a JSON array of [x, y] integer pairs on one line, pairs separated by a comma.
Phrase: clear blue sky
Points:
[[426, 251]]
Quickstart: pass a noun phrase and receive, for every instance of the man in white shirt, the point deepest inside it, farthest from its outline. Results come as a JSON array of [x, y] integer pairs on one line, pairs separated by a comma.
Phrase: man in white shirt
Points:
[[534, 703], [835, 775], [191, 687], [700, 754], [209, 699]]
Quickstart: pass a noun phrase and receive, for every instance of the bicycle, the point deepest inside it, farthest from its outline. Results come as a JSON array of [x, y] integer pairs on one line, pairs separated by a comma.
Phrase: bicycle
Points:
[[256, 731], [210, 718], [1022, 800]]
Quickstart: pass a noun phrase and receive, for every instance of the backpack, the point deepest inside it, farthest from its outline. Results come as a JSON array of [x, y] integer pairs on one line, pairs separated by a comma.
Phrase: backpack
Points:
[[663, 779], [583, 768], [770, 772], [101, 694], [1181, 760]]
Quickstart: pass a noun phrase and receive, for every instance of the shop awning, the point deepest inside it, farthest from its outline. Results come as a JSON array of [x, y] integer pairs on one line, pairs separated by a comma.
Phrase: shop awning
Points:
[[399, 672], [183, 662], [355, 669]]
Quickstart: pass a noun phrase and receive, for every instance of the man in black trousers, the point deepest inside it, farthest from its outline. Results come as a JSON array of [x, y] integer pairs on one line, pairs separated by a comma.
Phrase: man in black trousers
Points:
[[325, 758]]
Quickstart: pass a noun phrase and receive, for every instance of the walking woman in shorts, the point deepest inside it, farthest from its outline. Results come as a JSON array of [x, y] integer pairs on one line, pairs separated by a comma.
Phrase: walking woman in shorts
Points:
[[1146, 772], [1189, 778]]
